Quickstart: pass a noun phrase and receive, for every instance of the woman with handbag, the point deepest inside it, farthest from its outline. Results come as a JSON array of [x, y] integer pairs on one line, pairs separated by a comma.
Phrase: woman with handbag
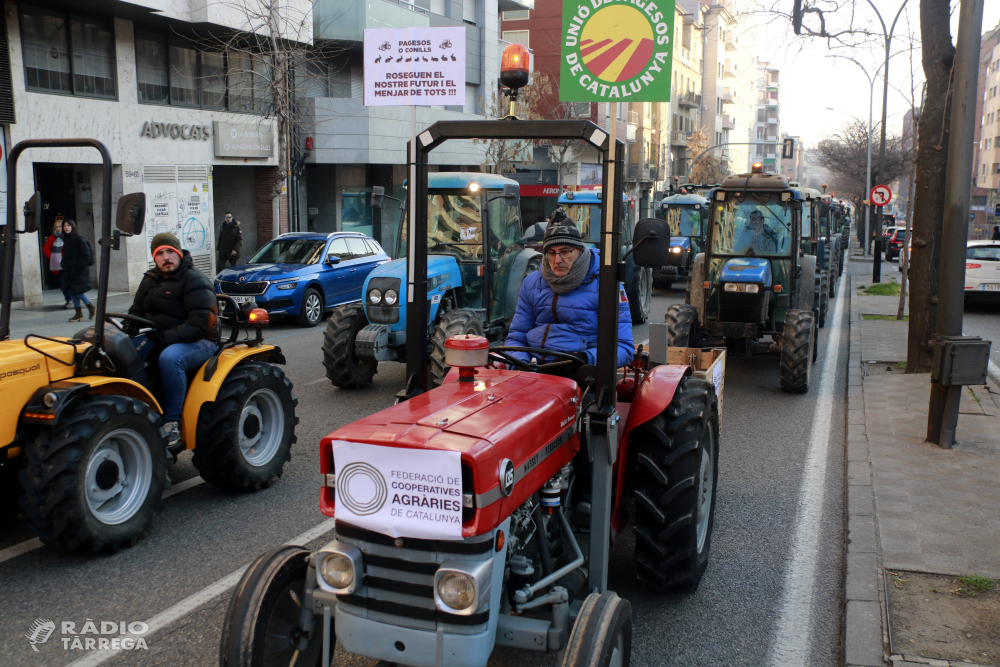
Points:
[[53, 251]]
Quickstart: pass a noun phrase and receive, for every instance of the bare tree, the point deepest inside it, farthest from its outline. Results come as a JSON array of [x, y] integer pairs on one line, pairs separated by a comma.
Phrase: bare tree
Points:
[[710, 168], [501, 155], [846, 155]]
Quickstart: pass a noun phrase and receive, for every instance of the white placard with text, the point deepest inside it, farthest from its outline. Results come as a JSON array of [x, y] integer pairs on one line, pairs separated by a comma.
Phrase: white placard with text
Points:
[[414, 66], [399, 492]]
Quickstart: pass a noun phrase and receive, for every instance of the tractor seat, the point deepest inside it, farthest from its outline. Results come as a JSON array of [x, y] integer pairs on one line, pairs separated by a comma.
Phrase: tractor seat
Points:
[[120, 350]]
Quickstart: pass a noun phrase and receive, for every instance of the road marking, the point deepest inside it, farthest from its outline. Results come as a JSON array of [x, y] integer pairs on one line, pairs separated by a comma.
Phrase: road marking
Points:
[[192, 602], [793, 637], [316, 381], [35, 543]]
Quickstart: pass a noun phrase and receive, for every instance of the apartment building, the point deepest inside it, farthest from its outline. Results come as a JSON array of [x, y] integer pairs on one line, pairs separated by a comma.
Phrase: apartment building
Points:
[[986, 169], [686, 106], [739, 92], [767, 125]]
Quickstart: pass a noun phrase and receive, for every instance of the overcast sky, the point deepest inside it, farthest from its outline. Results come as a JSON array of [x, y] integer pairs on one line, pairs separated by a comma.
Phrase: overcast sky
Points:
[[812, 81]]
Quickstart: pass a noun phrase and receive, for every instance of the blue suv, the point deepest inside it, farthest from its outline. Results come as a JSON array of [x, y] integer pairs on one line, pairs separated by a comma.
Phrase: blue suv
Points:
[[304, 273]]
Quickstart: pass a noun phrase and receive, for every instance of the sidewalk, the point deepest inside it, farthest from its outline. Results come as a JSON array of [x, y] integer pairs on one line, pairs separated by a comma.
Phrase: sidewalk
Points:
[[51, 319], [913, 507]]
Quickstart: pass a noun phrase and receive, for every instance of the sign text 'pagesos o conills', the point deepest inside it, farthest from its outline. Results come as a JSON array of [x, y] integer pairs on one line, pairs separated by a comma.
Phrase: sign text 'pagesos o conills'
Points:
[[616, 50], [414, 66]]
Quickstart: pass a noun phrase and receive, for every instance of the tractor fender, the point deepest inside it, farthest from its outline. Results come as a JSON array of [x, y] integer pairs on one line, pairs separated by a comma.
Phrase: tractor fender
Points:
[[205, 386], [516, 277], [806, 283], [70, 390], [654, 395], [696, 288]]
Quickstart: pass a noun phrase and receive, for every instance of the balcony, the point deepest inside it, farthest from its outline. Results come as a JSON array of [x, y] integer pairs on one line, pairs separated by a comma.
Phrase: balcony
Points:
[[689, 100], [728, 123], [679, 138], [514, 5], [632, 118], [730, 46], [639, 172], [727, 96]]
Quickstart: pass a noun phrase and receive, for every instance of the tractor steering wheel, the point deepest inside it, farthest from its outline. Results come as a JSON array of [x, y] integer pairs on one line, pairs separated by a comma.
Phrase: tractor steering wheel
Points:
[[569, 363], [141, 321]]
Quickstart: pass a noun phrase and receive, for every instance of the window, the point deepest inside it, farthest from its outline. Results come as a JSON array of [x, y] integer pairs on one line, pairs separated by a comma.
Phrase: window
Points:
[[338, 247], [516, 37], [518, 15], [357, 247], [67, 54], [169, 70]]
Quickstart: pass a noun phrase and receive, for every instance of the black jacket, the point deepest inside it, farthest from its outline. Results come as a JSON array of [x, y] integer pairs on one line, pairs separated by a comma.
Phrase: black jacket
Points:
[[183, 303], [77, 259], [230, 240]]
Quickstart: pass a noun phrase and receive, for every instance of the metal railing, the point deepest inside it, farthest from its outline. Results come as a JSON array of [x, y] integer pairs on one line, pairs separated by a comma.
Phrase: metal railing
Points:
[[689, 99], [632, 118]]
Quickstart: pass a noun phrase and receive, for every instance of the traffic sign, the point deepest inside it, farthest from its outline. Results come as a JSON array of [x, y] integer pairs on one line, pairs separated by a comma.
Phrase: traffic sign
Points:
[[880, 195]]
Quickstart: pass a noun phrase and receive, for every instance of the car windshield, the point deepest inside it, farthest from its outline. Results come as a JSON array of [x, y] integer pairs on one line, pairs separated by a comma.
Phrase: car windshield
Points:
[[290, 251], [990, 253], [454, 226], [684, 219], [757, 223]]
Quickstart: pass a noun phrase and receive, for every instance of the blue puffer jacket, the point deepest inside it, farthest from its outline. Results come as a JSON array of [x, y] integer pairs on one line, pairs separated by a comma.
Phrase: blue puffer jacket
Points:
[[566, 322]]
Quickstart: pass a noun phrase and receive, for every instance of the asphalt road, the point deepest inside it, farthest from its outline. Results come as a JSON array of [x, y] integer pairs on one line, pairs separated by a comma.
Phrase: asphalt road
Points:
[[776, 564]]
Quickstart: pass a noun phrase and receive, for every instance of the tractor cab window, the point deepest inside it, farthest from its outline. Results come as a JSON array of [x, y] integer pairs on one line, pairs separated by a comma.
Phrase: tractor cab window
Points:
[[454, 227], [753, 224], [588, 220], [505, 222], [290, 251], [684, 219], [505, 244]]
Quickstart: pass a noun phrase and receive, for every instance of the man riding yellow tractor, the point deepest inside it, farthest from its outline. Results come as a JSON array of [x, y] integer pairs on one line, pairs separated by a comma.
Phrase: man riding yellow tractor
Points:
[[82, 441]]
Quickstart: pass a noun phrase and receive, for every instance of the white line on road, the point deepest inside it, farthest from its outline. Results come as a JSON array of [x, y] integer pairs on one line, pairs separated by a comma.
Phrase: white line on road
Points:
[[793, 637], [316, 381], [192, 602], [35, 543]]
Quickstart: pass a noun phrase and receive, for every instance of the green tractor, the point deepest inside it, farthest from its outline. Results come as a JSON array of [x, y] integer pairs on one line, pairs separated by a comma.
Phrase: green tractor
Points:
[[753, 281]]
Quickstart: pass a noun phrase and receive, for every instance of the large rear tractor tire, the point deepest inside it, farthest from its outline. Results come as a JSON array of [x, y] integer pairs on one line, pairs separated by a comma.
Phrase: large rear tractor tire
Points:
[[262, 627], [344, 369], [640, 294], [93, 482], [602, 633], [245, 436], [450, 323], [822, 280], [682, 325], [798, 341], [675, 494]]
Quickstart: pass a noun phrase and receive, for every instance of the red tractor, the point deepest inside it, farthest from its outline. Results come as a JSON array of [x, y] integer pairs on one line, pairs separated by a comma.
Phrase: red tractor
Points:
[[481, 513]]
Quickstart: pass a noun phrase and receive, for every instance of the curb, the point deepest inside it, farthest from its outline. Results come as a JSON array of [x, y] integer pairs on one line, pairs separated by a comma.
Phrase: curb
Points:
[[865, 620]]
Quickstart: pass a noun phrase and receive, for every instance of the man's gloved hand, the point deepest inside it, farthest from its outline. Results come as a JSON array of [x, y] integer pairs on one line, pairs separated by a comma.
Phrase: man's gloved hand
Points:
[[156, 336]]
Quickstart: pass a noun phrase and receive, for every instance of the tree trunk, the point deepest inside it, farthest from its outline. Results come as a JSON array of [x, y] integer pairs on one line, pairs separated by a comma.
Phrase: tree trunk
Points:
[[938, 53], [904, 255]]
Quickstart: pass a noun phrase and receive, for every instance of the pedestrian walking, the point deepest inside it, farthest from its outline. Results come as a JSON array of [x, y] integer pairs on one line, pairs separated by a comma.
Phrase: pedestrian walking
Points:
[[77, 258], [996, 233], [53, 251], [230, 242]]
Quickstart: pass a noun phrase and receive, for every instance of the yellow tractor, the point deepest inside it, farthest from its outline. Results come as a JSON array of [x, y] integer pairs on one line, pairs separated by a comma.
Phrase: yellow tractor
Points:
[[81, 439]]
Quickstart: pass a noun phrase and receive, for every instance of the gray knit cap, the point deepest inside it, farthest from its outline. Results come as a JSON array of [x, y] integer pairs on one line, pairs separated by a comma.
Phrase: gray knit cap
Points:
[[561, 230]]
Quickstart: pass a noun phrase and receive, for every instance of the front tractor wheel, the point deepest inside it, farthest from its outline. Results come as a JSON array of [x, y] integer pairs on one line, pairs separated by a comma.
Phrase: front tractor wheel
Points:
[[798, 341], [451, 323], [682, 325], [245, 436], [640, 294], [602, 633], [93, 482], [263, 624], [675, 491], [344, 369]]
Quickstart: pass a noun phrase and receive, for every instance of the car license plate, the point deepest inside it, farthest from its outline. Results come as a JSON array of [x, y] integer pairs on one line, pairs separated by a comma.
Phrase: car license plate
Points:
[[993, 286], [240, 299]]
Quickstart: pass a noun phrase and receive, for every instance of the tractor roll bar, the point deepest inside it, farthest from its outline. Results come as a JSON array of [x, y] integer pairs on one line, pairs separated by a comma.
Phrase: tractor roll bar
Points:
[[10, 233]]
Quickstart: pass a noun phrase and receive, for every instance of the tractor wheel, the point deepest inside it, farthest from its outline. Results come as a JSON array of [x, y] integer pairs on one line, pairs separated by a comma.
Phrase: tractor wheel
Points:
[[262, 623], [245, 436], [640, 294], [682, 325], [832, 279], [312, 308], [822, 278], [94, 481], [602, 633], [450, 323], [342, 367], [798, 341], [675, 490]]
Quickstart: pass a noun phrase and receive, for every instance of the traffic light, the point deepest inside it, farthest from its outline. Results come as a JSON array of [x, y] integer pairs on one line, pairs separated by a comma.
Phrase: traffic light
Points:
[[788, 146]]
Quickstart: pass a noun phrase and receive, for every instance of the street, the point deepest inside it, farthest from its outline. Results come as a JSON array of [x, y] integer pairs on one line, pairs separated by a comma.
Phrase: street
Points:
[[773, 589]]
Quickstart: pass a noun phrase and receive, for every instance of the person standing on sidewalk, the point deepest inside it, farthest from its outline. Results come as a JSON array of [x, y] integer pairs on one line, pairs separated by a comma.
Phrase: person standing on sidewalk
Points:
[[77, 258], [53, 251], [230, 242], [996, 233], [180, 300]]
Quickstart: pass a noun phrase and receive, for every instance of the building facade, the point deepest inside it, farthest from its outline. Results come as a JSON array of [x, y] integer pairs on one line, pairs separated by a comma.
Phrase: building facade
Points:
[[986, 170], [767, 120]]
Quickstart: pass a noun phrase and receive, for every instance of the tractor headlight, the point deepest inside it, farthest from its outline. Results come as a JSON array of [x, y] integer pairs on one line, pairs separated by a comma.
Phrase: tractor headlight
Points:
[[731, 287], [457, 590], [675, 249], [339, 568], [374, 296], [391, 297], [752, 289], [748, 288]]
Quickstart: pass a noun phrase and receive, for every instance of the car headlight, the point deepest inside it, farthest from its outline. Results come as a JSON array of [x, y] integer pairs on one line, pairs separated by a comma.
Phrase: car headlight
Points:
[[374, 296], [457, 590], [286, 286], [337, 570], [391, 297]]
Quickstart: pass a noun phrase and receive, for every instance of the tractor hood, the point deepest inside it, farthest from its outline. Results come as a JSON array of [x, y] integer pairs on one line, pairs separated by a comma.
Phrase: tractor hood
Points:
[[262, 272], [683, 242], [746, 270], [442, 273], [527, 419]]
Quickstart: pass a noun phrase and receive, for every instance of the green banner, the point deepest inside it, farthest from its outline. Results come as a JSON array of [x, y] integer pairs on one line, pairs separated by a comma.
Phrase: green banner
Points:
[[616, 51]]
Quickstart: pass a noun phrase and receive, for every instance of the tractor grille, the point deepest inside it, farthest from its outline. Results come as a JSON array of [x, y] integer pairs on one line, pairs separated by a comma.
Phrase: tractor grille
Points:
[[233, 287], [399, 581]]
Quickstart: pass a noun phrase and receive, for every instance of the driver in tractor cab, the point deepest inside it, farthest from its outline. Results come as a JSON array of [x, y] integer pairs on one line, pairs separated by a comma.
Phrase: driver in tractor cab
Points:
[[180, 299], [557, 305]]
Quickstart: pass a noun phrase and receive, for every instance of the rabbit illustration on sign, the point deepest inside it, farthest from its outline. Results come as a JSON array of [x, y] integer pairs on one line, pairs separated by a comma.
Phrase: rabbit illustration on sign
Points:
[[435, 58], [379, 59], [409, 59], [453, 58]]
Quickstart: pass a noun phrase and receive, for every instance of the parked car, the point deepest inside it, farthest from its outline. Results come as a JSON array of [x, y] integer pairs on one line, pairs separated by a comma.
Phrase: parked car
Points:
[[895, 244], [303, 274], [982, 270]]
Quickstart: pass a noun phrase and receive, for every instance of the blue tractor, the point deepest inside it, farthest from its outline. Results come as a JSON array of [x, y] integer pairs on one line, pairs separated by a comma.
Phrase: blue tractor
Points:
[[687, 215], [585, 209], [477, 260]]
